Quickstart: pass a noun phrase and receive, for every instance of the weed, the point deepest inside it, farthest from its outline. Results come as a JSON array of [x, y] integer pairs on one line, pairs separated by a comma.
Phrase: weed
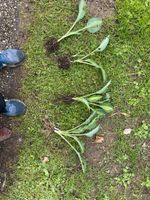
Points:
[[143, 131], [125, 178], [146, 183]]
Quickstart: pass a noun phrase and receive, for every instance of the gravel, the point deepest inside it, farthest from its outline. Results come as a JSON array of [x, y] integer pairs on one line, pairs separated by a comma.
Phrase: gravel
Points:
[[9, 30], [9, 23]]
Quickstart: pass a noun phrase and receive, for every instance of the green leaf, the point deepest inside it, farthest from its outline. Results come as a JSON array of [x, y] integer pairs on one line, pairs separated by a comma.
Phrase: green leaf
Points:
[[94, 24], [100, 113], [82, 10], [103, 44], [95, 98], [107, 107], [81, 144], [83, 100], [87, 127], [93, 132], [104, 89], [87, 121]]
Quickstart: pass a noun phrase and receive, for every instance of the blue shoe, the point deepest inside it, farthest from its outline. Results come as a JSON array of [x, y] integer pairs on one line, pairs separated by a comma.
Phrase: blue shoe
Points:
[[14, 107], [11, 58]]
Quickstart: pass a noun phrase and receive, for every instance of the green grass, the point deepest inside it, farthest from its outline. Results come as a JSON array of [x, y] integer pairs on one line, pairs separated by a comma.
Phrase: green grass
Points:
[[126, 62]]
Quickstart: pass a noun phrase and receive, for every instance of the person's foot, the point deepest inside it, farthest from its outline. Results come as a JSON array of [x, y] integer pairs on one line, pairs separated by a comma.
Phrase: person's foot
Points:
[[11, 58], [14, 107], [5, 133]]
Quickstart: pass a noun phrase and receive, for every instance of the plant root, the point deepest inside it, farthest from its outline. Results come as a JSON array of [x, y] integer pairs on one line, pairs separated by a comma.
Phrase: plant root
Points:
[[64, 62], [51, 45]]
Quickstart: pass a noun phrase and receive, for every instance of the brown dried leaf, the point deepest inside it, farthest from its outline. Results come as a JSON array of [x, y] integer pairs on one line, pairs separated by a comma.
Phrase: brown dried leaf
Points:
[[99, 140], [121, 113]]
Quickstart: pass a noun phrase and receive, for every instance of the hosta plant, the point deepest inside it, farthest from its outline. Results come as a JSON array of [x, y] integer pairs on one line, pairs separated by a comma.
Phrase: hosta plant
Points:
[[64, 62], [96, 100], [89, 128], [93, 25], [99, 103]]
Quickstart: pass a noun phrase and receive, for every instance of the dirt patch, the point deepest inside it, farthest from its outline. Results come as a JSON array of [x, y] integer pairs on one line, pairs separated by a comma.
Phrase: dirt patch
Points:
[[11, 36], [51, 45], [96, 154], [67, 99], [101, 8], [64, 62]]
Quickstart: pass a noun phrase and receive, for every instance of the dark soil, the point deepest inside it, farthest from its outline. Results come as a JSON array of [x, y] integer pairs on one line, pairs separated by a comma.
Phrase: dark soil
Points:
[[101, 8], [64, 62], [51, 45], [67, 99]]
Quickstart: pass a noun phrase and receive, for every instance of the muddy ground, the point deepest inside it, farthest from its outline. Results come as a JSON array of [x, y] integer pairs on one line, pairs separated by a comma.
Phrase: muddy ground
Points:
[[13, 33]]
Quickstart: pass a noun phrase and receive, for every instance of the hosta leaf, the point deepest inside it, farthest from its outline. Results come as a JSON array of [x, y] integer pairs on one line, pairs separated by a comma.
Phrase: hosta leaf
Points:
[[100, 113], [95, 98], [81, 144], [94, 24], [107, 107], [104, 89], [87, 127], [82, 10], [83, 100], [93, 132], [90, 118], [103, 44], [87, 121]]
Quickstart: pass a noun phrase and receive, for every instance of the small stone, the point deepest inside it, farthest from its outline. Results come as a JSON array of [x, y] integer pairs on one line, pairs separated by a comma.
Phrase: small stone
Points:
[[127, 131], [45, 160]]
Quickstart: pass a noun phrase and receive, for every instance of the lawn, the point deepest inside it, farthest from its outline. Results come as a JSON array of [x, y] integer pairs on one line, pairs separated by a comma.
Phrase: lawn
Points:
[[121, 172]]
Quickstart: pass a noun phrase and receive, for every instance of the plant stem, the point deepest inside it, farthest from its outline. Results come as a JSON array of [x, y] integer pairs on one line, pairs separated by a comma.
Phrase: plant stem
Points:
[[67, 35], [89, 54], [78, 154], [68, 32], [72, 33], [72, 27]]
